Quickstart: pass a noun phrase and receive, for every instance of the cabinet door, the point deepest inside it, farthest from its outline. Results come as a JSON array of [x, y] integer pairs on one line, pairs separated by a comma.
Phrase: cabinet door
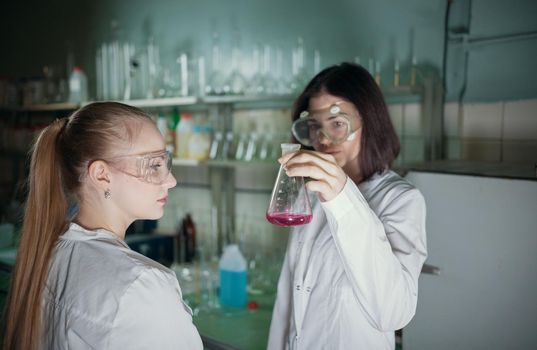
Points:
[[482, 233]]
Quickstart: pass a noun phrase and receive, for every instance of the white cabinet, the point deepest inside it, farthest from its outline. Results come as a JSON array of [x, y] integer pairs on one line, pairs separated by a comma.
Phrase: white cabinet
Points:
[[482, 233]]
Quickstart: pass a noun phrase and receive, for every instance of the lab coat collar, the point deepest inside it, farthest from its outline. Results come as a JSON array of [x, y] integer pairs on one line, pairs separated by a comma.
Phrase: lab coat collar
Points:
[[373, 181], [78, 233]]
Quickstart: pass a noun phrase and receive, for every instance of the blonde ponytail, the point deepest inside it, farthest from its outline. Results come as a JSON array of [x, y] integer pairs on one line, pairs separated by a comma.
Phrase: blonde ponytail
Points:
[[60, 157], [44, 221]]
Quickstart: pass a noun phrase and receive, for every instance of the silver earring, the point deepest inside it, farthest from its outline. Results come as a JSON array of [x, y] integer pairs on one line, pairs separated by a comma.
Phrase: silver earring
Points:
[[107, 193]]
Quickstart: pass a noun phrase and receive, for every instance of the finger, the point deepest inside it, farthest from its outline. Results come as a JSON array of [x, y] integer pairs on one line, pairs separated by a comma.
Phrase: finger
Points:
[[322, 188], [309, 170], [314, 158], [322, 155], [317, 154], [285, 158]]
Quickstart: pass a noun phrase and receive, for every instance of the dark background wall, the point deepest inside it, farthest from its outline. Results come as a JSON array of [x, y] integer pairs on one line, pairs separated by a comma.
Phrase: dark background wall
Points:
[[38, 33]]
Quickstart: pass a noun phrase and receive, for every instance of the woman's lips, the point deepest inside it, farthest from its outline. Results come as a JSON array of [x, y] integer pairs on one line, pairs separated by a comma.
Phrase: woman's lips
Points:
[[163, 200]]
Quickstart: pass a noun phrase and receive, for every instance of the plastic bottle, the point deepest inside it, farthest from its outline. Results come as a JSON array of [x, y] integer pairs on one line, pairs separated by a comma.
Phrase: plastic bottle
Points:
[[182, 135], [171, 126], [216, 145], [199, 143], [232, 277], [78, 86]]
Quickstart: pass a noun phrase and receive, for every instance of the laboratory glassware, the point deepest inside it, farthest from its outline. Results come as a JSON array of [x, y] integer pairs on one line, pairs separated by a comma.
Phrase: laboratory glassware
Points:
[[289, 203]]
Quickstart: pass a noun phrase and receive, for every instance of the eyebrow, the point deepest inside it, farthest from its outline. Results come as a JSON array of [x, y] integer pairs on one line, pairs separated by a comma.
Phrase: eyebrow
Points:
[[157, 152], [332, 116], [147, 153]]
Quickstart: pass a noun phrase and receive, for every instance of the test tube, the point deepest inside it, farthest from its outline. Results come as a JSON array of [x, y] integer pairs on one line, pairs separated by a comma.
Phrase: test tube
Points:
[[183, 61], [377, 72], [413, 71], [396, 74]]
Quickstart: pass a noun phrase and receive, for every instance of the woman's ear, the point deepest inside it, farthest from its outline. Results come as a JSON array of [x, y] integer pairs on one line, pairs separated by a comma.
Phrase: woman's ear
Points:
[[99, 174]]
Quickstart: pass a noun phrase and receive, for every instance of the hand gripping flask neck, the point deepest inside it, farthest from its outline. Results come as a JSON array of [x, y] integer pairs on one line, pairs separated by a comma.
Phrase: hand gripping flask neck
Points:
[[289, 202]]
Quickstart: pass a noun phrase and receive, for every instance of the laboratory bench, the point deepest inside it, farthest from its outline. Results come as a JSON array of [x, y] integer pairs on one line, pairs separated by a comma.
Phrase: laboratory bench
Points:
[[522, 171], [233, 328], [221, 328]]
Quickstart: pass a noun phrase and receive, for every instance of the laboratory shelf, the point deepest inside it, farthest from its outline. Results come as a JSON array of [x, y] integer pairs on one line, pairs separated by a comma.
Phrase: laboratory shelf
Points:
[[238, 163], [162, 102], [47, 107], [245, 98], [223, 163], [244, 101], [188, 162], [402, 94]]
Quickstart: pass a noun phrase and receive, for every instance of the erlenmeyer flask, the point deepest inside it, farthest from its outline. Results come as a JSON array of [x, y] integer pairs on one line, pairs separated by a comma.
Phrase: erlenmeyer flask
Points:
[[289, 203]]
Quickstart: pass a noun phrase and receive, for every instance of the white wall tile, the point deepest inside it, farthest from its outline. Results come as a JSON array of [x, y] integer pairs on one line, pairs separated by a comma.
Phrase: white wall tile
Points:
[[481, 150], [483, 120], [191, 174], [396, 115], [453, 148], [413, 150], [412, 119], [451, 119], [520, 120], [242, 120], [399, 160], [520, 152], [261, 176]]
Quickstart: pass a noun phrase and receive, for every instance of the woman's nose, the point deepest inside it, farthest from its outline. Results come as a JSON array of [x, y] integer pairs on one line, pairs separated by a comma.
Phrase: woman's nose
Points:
[[170, 181], [323, 139]]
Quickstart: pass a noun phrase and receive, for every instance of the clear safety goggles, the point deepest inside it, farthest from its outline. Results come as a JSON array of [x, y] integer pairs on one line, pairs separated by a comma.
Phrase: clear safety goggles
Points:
[[332, 123], [153, 168]]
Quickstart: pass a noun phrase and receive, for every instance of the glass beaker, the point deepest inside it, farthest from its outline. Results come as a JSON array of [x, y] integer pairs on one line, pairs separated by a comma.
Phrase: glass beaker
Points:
[[289, 202]]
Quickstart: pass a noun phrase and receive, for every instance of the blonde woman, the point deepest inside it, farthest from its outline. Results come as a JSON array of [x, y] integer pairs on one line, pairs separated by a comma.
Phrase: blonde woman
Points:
[[76, 284]]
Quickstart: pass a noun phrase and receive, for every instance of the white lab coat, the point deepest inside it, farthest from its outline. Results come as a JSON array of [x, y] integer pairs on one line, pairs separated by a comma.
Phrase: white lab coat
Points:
[[350, 277], [102, 295]]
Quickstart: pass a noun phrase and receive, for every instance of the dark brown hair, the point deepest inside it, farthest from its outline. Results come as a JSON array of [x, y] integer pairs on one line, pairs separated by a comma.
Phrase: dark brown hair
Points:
[[59, 158], [380, 144]]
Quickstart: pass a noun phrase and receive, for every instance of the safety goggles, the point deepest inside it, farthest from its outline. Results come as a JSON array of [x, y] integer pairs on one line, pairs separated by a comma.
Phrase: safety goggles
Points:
[[332, 123], [153, 168]]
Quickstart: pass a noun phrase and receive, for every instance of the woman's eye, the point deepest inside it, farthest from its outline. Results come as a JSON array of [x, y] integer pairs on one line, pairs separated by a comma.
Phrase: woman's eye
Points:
[[155, 167]]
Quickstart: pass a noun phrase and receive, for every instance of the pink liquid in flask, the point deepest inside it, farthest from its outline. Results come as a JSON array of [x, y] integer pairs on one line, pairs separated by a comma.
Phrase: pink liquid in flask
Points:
[[286, 219]]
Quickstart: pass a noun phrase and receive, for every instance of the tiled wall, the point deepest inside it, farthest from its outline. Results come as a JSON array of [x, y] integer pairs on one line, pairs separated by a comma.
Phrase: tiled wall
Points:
[[496, 132], [407, 121]]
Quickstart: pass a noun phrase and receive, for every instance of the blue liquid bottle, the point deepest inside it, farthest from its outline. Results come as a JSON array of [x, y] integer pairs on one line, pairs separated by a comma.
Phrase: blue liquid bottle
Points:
[[232, 277]]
